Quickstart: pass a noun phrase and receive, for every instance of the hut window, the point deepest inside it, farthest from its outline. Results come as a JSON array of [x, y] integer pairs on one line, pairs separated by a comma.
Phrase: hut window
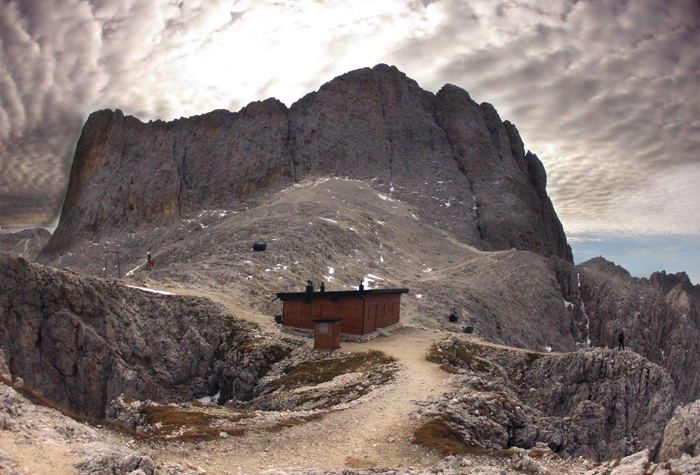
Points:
[[323, 328]]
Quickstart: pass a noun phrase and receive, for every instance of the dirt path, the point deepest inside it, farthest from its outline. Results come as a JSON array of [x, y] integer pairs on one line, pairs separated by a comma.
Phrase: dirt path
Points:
[[374, 433]]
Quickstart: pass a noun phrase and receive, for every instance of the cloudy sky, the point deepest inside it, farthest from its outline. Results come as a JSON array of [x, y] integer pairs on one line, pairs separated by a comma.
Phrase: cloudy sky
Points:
[[605, 92]]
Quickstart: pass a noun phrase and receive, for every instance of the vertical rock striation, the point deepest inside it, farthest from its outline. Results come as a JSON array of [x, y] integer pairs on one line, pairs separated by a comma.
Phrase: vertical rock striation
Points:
[[81, 341], [657, 316], [464, 169]]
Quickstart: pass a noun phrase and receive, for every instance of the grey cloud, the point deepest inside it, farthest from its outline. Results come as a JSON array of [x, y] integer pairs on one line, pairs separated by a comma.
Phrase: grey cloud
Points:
[[605, 92], [615, 85]]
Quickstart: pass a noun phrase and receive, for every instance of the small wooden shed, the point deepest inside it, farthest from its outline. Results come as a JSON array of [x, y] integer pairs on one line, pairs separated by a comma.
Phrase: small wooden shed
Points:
[[327, 334], [362, 311]]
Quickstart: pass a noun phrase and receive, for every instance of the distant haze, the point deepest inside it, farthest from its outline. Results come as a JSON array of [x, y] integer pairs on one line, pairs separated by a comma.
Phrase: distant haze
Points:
[[606, 93]]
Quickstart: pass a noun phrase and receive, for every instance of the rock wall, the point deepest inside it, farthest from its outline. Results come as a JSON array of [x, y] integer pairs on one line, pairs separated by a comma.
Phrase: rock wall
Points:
[[597, 403], [82, 341], [658, 320], [682, 434], [26, 243], [464, 169]]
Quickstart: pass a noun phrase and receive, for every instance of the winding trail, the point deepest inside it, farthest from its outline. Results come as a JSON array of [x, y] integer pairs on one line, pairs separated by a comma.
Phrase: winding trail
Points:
[[377, 432]]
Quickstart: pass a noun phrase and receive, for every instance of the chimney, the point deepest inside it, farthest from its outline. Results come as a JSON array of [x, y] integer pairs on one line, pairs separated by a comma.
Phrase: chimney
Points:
[[309, 286], [362, 286]]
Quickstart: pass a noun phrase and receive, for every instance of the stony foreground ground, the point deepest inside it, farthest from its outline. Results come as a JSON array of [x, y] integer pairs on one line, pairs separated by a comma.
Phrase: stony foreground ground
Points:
[[374, 435]]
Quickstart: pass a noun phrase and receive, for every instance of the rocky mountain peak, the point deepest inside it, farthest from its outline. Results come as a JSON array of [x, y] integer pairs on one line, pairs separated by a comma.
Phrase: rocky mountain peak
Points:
[[455, 161]]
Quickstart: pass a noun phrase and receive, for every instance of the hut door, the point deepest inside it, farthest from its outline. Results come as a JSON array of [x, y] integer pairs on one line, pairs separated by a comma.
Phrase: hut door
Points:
[[316, 310], [372, 320]]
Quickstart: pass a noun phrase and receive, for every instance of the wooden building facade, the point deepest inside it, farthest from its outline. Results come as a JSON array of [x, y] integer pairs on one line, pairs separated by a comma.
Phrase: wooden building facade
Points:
[[361, 311]]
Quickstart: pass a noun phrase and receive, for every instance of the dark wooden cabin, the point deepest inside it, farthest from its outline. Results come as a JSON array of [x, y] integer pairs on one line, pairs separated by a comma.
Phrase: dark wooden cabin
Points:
[[361, 311]]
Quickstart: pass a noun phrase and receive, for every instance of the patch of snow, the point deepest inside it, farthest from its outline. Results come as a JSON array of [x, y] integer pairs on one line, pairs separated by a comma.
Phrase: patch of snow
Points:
[[353, 230], [583, 310], [131, 271], [329, 220], [374, 277], [415, 217], [381, 258], [380, 222], [548, 349], [163, 292], [331, 270], [383, 197], [568, 304], [419, 296], [210, 399], [428, 270]]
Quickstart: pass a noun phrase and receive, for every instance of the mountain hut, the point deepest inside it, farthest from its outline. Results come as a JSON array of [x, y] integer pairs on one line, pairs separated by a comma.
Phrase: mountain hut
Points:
[[362, 311]]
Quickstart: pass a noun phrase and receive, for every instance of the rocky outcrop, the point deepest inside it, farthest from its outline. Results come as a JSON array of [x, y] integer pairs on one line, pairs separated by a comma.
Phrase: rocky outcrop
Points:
[[605, 300], [82, 341], [682, 434], [464, 169], [596, 403], [680, 293], [26, 243]]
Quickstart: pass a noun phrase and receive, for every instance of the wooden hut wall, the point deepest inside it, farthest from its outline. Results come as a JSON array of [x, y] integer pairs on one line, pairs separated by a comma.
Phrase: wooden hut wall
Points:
[[381, 310], [300, 314]]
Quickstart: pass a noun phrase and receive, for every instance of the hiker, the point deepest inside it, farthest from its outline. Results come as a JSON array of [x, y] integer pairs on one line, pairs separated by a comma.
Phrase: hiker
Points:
[[621, 341], [148, 261]]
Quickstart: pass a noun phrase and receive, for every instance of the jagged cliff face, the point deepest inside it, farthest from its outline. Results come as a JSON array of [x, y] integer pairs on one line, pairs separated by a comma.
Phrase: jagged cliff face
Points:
[[26, 243], [463, 168], [598, 403], [81, 341], [657, 316]]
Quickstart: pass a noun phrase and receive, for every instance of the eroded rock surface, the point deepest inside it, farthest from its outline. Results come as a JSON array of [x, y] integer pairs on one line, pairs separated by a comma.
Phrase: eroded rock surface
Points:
[[463, 167], [26, 243], [596, 403], [682, 434], [657, 316], [82, 341]]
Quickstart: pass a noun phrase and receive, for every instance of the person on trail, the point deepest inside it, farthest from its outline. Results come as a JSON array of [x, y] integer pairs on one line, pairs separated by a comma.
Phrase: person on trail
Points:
[[621, 341], [148, 261]]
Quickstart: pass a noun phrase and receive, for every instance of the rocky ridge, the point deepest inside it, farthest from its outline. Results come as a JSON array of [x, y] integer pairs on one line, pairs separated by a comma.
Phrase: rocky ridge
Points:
[[26, 243], [661, 326], [597, 403], [82, 341], [463, 168]]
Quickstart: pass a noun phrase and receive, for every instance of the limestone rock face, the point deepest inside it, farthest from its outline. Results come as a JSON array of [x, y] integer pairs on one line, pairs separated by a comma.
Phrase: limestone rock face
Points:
[[680, 293], [660, 326], [682, 434], [82, 341], [597, 403], [26, 244], [464, 169]]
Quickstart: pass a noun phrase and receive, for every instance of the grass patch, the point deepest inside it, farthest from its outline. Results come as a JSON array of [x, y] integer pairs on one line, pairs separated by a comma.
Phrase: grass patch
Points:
[[293, 422], [174, 423], [437, 434], [458, 355], [540, 453], [358, 463], [322, 371]]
